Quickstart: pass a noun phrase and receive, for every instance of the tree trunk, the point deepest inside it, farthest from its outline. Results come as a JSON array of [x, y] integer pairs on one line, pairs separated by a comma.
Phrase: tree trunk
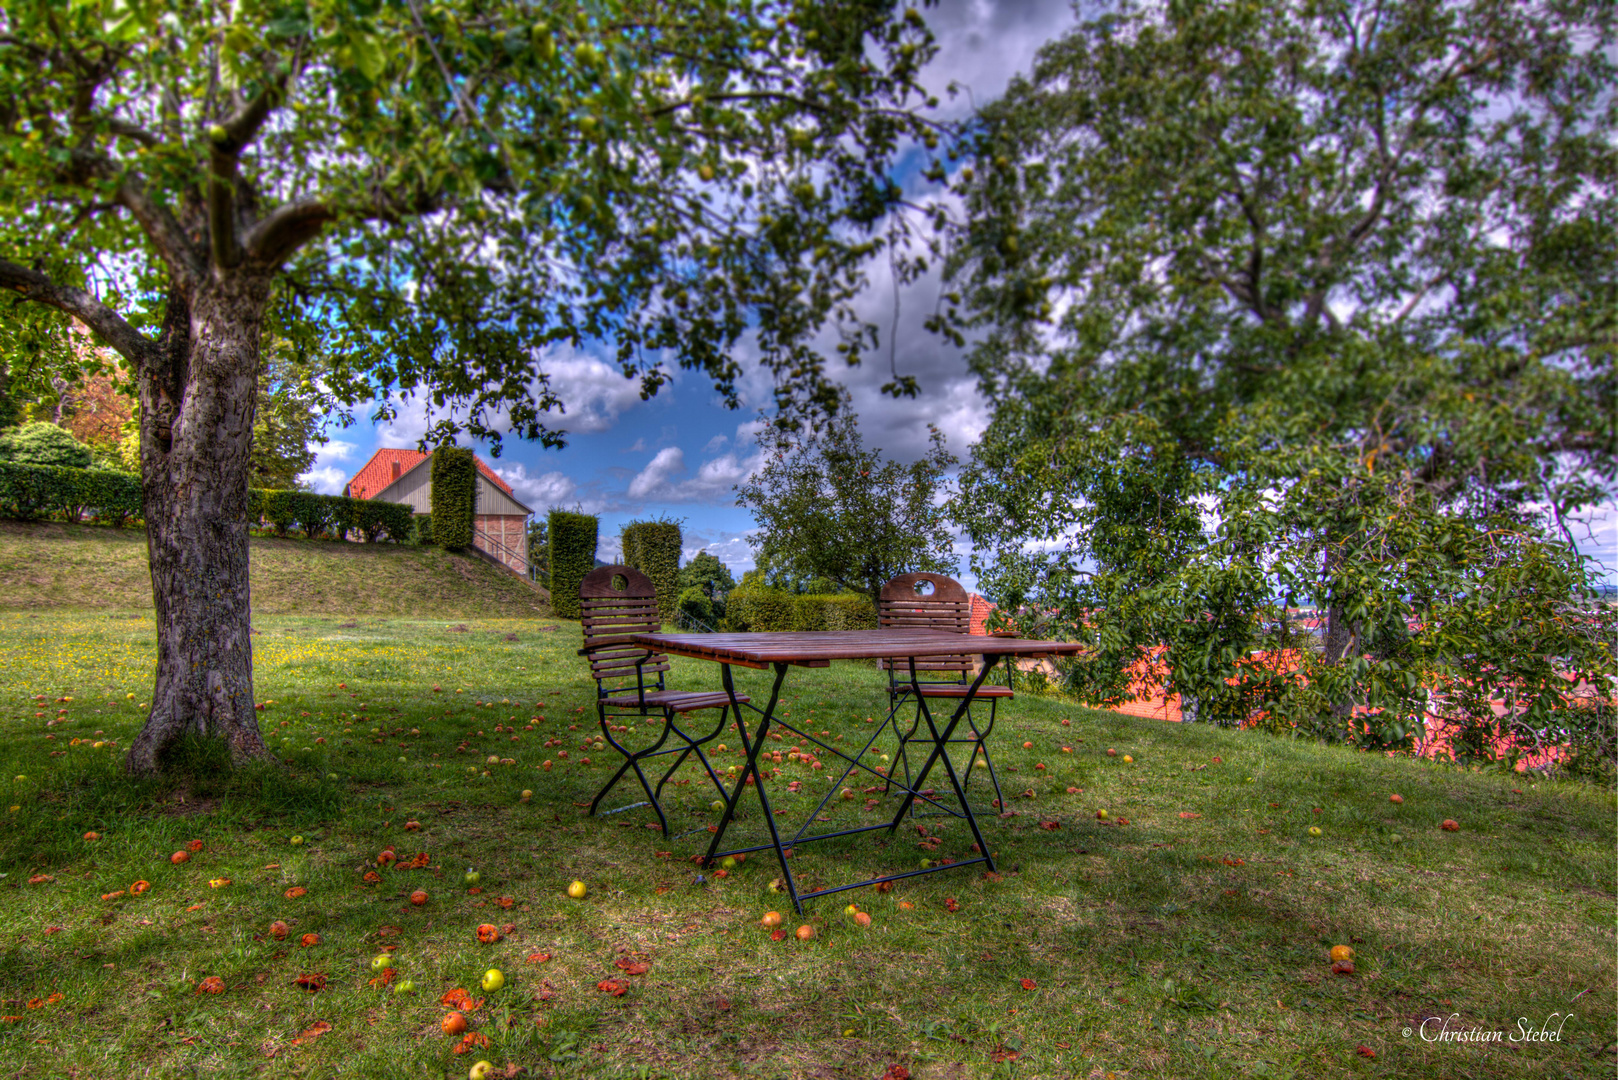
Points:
[[196, 427]]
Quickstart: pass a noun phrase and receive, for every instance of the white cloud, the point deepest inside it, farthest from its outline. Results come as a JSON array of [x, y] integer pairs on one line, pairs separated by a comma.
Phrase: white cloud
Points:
[[714, 481], [540, 492], [659, 474], [715, 443], [637, 447], [594, 393], [325, 481], [335, 450]]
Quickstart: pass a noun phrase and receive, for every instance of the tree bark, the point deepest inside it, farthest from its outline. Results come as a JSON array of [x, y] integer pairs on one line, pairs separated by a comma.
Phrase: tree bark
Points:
[[197, 405]]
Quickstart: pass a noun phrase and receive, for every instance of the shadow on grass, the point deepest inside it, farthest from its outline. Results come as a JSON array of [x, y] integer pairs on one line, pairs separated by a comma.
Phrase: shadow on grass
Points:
[[197, 781]]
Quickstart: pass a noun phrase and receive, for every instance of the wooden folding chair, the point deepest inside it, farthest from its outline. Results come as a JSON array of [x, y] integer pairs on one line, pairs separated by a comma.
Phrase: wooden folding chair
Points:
[[616, 602], [924, 601]]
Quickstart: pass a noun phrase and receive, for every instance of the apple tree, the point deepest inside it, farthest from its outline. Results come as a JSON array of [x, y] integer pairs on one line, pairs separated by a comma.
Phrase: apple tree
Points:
[[1304, 303], [427, 199]]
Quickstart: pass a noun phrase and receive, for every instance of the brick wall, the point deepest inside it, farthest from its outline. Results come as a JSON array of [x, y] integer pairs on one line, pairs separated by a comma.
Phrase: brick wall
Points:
[[504, 536]]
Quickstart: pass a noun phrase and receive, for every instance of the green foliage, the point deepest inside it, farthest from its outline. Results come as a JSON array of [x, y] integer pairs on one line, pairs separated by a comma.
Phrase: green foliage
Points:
[[653, 548], [573, 554], [539, 551], [826, 507], [290, 417], [696, 611], [455, 479], [573, 167], [315, 515], [707, 573], [28, 492], [40, 443], [424, 528], [1336, 327], [752, 607]]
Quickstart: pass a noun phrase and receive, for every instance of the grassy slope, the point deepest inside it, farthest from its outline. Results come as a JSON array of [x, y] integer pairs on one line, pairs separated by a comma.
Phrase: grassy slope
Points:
[[1191, 942], [52, 566]]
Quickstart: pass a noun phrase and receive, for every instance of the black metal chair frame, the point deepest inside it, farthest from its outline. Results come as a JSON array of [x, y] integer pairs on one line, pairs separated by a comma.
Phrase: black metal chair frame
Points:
[[648, 697], [934, 599]]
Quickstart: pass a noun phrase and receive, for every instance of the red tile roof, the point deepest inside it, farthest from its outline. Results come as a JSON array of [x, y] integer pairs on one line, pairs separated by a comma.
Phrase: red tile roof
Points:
[[377, 474]]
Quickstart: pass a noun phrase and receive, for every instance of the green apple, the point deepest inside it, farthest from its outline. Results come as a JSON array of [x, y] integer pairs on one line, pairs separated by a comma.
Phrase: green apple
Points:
[[729, 862], [492, 980], [717, 804], [472, 877], [296, 840], [381, 962], [404, 986], [481, 1071]]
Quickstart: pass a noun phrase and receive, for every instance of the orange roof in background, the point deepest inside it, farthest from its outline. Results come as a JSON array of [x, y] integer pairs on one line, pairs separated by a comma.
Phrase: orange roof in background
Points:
[[377, 474]]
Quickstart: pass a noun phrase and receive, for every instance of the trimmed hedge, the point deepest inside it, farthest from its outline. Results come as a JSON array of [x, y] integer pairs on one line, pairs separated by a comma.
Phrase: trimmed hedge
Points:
[[695, 610], [765, 610], [35, 491], [573, 554], [653, 548], [455, 489], [28, 492]]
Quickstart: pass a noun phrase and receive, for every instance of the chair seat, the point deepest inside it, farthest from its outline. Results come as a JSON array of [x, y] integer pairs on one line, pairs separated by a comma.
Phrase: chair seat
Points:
[[675, 700], [951, 690]]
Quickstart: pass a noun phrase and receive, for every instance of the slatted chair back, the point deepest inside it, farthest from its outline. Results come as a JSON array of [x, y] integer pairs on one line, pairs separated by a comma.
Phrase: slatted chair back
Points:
[[923, 601], [616, 602]]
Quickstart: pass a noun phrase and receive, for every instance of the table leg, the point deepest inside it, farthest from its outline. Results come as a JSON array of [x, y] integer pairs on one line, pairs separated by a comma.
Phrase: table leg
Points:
[[753, 746], [939, 752]]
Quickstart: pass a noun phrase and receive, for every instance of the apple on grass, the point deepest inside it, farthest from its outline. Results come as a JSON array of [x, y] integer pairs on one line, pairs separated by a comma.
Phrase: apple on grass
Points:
[[492, 980], [472, 877], [381, 962], [577, 890], [481, 1071]]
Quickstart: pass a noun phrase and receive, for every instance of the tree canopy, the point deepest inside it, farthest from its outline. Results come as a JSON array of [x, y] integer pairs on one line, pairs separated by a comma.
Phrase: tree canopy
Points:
[[1311, 302], [828, 508]]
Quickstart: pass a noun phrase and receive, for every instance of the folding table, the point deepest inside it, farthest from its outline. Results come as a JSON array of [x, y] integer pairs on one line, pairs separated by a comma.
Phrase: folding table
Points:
[[781, 651]]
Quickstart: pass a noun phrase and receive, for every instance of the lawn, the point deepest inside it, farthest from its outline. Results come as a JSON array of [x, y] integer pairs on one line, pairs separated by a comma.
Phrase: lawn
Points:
[[1193, 940]]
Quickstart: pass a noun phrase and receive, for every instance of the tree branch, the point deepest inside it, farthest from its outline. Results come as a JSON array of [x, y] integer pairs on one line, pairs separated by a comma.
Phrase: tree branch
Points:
[[33, 285], [285, 230], [234, 136]]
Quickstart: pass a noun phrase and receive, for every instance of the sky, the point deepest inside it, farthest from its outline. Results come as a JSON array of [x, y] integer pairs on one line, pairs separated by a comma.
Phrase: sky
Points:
[[681, 454]]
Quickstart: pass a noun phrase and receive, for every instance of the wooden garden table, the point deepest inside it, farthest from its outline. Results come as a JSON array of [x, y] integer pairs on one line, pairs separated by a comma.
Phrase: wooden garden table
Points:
[[781, 651]]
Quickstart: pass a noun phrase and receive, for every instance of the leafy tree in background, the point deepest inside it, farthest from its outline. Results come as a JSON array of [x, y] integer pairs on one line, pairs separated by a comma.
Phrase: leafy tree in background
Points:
[[704, 571], [1302, 302], [828, 508], [426, 197], [539, 551], [40, 443]]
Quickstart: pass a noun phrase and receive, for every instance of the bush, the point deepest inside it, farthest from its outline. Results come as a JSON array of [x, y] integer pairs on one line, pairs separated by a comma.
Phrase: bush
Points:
[[653, 548], [455, 488], [573, 555], [314, 514], [695, 611], [375, 521], [44, 445], [424, 528], [35, 491], [764, 610]]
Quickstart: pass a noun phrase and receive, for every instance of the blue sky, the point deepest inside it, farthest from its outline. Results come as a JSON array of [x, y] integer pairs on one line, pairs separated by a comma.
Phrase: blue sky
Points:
[[681, 454]]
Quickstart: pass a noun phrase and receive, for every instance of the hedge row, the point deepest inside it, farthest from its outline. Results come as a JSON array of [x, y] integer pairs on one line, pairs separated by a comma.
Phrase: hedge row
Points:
[[767, 610], [653, 548], [28, 492], [35, 491], [455, 490], [573, 555]]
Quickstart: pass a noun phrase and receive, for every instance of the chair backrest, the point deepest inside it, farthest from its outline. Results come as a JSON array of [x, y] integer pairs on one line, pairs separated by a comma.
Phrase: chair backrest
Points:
[[615, 602], [923, 601]]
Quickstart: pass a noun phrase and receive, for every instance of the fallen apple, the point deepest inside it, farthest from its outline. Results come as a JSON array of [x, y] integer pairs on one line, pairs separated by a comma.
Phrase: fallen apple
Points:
[[480, 1071], [1314, 830], [1342, 952], [1128, 760], [419, 897], [771, 920], [1101, 815], [180, 857], [851, 910], [805, 932], [296, 840], [1111, 752], [1451, 825], [472, 877], [381, 962], [526, 794], [453, 1024], [1396, 799], [862, 919], [404, 986], [488, 933], [92, 836], [577, 890], [279, 930], [717, 804], [492, 980]]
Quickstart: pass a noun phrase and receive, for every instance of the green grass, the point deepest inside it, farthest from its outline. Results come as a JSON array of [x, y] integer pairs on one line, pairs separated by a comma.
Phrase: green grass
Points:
[[49, 566], [1173, 946]]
